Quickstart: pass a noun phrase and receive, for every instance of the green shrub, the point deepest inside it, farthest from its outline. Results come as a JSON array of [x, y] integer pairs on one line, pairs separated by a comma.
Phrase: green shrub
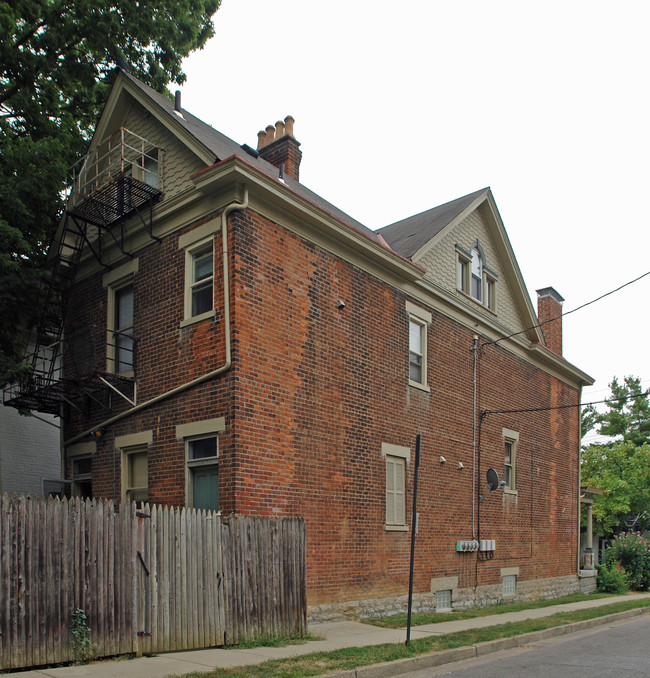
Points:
[[632, 552], [612, 579]]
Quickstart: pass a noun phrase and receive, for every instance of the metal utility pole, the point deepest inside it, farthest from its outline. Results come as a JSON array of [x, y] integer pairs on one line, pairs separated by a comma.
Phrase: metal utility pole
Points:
[[413, 525]]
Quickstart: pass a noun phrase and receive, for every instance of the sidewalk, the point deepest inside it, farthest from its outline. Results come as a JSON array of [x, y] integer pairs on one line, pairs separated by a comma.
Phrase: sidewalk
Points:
[[336, 635]]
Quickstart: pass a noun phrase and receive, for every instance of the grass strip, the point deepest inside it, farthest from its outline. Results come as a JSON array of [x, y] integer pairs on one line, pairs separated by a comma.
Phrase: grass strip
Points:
[[398, 621], [317, 663]]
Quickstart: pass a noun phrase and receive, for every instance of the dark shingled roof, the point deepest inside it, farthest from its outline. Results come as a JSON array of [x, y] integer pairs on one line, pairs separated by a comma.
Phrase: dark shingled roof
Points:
[[224, 147], [408, 235]]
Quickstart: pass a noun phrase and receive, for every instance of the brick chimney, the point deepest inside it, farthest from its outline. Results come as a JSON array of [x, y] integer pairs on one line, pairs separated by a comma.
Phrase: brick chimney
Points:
[[277, 145], [549, 305]]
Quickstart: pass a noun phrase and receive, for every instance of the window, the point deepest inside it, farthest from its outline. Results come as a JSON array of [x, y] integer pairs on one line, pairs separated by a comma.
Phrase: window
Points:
[[462, 274], [477, 275], [123, 342], [443, 601], [82, 477], [510, 440], [418, 322], [203, 469], [199, 281], [150, 168], [120, 338], [473, 276], [417, 339], [144, 165], [396, 458], [509, 585], [201, 285], [135, 473], [201, 439], [489, 293]]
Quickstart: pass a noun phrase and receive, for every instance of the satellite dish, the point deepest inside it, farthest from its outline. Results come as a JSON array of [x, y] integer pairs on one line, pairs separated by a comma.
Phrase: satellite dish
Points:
[[492, 479]]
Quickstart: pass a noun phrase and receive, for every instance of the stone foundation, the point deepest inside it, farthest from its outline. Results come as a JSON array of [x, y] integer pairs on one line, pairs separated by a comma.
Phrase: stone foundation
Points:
[[462, 598]]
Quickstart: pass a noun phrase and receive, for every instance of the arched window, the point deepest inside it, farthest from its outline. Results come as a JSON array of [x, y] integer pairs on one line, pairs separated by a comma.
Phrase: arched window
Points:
[[477, 275]]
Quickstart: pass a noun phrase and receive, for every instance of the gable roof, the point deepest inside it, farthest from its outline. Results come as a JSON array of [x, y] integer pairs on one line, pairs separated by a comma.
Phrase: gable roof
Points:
[[409, 235], [222, 147]]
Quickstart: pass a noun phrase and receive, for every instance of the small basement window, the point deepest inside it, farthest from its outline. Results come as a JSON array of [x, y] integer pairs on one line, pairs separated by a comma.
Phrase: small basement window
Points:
[[509, 585], [443, 601]]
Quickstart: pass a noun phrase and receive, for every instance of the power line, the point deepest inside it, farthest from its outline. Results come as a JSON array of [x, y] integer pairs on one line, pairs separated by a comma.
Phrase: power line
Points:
[[573, 310], [484, 413]]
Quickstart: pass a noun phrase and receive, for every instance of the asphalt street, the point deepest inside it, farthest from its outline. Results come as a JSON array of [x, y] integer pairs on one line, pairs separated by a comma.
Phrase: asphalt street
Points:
[[619, 649]]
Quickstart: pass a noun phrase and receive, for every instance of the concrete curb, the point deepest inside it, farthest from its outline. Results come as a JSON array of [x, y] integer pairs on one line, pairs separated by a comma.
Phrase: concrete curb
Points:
[[426, 661]]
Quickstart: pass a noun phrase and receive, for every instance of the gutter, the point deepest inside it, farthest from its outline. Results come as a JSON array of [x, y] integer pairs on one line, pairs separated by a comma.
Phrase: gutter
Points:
[[227, 330]]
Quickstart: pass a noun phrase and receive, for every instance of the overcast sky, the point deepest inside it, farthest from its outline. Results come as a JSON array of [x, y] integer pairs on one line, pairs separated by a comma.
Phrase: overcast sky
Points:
[[400, 107]]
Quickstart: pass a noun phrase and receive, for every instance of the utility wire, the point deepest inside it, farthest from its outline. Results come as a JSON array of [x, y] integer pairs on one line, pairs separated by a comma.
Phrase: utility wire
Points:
[[573, 310], [484, 413]]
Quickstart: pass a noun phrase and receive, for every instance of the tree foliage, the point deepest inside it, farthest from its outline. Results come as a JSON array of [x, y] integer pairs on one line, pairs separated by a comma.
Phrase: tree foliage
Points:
[[57, 59], [620, 467]]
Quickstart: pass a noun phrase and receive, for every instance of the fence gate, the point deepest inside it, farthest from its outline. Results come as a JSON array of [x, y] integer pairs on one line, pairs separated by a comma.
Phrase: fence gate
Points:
[[178, 594]]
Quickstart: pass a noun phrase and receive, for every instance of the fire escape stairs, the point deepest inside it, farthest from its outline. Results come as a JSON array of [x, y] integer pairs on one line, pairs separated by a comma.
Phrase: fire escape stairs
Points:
[[90, 217]]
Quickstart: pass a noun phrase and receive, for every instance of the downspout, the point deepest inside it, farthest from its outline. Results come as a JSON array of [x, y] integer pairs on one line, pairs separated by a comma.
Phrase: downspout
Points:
[[209, 375], [474, 349]]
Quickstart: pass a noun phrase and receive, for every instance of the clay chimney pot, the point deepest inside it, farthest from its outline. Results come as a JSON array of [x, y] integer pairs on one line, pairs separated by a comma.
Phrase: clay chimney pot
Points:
[[270, 134], [288, 123], [261, 139], [279, 129]]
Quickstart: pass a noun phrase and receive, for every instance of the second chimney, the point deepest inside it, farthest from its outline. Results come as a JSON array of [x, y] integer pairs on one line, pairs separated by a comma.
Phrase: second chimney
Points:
[[549, 312], [278, 146]]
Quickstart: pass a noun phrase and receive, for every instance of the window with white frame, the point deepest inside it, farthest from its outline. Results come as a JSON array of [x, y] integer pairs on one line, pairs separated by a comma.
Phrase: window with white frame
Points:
[[477, 275], [462, 274], [419, 319], [396, 459], [510, 441], [201, 440], [474, 278], [417, 343], [490, 289]]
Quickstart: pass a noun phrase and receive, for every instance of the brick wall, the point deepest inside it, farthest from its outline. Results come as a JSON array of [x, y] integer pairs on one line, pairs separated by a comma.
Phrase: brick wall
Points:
[[313, 393], [324, 387]]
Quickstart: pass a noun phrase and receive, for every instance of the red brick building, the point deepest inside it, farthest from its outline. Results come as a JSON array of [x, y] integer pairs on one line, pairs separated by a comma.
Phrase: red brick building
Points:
[[233, 341]]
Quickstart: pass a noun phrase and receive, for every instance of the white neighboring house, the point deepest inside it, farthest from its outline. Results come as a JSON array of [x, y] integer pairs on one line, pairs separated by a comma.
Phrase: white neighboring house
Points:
[[29, 451]]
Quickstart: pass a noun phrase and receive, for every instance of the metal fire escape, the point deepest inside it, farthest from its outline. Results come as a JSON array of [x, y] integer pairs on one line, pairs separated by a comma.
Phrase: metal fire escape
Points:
[[120, 180]]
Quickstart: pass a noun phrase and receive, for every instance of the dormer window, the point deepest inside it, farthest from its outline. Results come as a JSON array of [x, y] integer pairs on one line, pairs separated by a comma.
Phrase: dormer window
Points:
[[477, 275], [474, 278]]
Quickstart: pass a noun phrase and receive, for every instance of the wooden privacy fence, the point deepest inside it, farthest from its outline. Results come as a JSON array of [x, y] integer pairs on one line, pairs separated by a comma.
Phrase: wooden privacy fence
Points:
[[149, 578]]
